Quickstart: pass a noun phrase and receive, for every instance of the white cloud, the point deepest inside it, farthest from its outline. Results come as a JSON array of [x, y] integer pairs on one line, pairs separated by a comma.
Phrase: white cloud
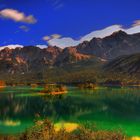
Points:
[[63, 42], [53, 36], [11, 47], [17, 16], [133, 30], [42, 46], [67, 41], [102, 33], [56, 36], [46, 38]]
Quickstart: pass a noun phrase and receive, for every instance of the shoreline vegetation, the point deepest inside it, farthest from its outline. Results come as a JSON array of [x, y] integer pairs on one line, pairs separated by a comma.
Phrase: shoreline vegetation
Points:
[[50, 89], [61, 88], [45, 130], [54, 88]]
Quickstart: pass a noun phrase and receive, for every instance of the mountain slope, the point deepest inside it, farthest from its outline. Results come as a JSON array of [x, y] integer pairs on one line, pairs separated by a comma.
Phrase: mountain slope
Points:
[[127, 65]]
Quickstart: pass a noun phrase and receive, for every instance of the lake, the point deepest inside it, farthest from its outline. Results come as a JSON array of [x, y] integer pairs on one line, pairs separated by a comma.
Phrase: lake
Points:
[[106, 108]]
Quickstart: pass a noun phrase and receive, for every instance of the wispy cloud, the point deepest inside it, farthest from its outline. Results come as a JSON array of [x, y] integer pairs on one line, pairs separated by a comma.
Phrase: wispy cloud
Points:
[[68, 41], [53, 36], [56, 36], [24, 28], [46, 38], [57, 4], [136, 23], [17, 16]]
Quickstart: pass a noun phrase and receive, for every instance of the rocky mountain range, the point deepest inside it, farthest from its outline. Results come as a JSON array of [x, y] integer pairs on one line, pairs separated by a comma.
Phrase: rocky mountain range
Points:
[[110, 47], [31, 58]]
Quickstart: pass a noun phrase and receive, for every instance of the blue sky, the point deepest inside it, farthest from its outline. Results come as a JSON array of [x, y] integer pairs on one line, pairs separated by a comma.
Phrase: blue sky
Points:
[[61, 18]]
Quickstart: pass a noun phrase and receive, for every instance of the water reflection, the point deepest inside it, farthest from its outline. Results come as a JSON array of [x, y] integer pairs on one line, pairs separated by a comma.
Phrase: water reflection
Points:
[[10, 123], [20, 106]]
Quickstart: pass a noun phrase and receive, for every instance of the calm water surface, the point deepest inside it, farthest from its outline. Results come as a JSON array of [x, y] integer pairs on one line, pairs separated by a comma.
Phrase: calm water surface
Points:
[[106, 108]]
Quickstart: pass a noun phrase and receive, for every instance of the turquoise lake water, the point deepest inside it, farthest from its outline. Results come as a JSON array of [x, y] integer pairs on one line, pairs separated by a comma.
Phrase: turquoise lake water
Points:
[[107, 108]]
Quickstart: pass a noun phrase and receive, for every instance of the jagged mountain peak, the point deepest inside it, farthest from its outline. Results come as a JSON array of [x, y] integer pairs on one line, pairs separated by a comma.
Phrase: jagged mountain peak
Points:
[[119, 33]]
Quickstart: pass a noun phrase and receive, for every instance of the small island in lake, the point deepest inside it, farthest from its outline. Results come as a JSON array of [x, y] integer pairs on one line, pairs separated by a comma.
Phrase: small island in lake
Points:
[[54, 89]]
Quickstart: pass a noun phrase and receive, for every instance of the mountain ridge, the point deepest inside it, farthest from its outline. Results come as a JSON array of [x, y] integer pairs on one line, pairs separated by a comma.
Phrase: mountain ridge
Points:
[[31, 59]]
